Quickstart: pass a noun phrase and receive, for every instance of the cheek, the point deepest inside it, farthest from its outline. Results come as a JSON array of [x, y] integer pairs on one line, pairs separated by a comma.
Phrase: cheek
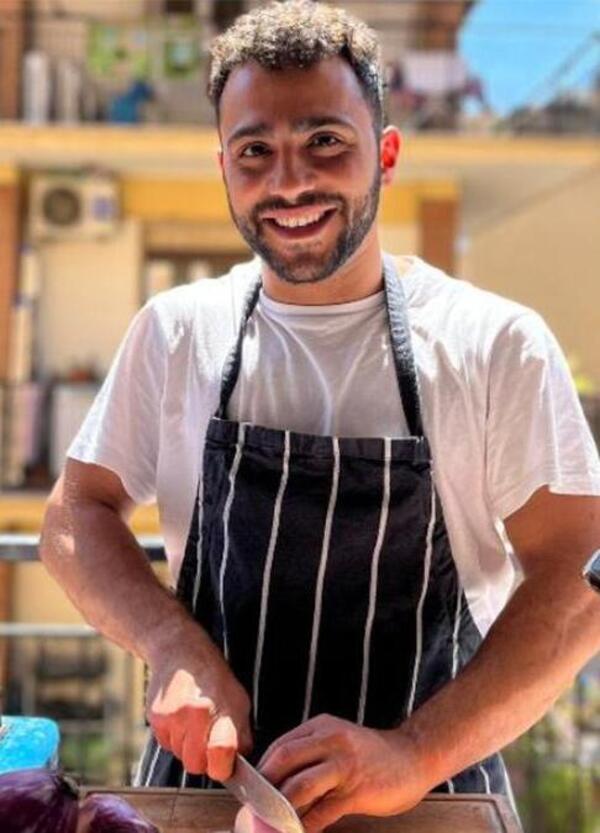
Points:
[[352, 172], [340, 168], [244, 187]]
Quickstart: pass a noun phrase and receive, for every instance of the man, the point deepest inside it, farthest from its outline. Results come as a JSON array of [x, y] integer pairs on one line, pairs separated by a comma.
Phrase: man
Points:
[[303, 422]]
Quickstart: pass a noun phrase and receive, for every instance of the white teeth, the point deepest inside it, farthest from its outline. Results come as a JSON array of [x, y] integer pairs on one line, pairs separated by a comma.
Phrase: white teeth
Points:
[[294, 222]]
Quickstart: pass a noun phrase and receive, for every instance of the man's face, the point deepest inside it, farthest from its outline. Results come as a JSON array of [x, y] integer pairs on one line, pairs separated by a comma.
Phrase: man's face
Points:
[[301, 165]]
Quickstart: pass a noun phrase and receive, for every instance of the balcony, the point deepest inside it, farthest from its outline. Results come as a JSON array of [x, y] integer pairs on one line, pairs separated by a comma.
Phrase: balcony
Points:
[[94, 691], [147, 61], [65, 670]]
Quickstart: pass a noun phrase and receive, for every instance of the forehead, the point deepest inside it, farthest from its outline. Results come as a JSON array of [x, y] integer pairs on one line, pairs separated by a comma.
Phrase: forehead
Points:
[[255, 94]]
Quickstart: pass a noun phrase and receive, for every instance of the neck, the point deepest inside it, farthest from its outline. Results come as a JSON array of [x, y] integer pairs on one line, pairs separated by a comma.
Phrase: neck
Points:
[[358, 278]]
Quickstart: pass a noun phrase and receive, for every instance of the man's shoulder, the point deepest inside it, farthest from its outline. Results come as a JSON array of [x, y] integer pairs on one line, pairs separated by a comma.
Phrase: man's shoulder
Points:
[[210, 301], [445, 307], [428, 285]]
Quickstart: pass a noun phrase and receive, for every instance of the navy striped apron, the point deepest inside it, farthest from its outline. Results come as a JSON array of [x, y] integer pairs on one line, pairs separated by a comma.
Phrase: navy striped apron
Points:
[[322, 568]]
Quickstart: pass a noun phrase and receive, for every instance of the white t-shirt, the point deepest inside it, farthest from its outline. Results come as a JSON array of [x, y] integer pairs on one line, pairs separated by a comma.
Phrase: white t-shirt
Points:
[[499, 407]]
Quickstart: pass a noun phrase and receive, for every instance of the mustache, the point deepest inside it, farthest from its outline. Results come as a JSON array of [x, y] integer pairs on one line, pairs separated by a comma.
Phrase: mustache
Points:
[[304, 200]]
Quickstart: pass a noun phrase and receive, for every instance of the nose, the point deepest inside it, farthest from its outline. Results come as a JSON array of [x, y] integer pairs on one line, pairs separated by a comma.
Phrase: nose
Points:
[[290, 176]]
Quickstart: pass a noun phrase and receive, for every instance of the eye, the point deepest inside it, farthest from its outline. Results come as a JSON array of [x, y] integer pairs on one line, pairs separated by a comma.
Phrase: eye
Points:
[[254, 150], [325, 140]]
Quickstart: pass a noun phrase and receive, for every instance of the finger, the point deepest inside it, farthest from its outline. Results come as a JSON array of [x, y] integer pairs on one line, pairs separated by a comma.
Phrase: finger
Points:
[[160, 730], [311, 784], [193, 711], [193, 755], [221, 748], [304, 730], [324, 813], [193, 722], [292, 756], [176, 738]]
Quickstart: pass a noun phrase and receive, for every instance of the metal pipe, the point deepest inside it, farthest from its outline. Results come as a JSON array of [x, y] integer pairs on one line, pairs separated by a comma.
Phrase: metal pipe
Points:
[[24, 547]]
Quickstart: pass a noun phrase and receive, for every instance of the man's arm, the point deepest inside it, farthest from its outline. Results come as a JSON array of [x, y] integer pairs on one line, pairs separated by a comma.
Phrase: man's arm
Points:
[[548, 630], [88, 547]]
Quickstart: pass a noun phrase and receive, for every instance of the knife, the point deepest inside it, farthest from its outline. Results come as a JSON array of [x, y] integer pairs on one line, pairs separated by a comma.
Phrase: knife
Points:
[[591, 571], [265, 800]]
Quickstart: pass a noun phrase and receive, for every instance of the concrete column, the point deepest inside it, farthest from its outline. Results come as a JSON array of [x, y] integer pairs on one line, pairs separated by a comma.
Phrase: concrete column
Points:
[[11, 53], [438, 228]]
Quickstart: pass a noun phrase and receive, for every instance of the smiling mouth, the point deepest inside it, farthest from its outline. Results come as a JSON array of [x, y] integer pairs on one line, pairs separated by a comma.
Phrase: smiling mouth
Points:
[[300, 226]]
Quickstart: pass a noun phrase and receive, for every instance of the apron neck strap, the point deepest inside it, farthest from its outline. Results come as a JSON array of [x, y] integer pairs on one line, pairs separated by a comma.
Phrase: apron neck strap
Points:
[[231, 369], [401, 346]]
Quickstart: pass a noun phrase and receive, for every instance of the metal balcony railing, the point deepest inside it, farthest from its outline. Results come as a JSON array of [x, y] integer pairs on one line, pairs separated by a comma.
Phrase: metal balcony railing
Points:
[[24, 547], [85, 59], [94, 691], [73, 675]]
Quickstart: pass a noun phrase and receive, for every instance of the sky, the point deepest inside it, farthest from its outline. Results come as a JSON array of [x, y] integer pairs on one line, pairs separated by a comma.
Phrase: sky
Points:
[[516, 46]]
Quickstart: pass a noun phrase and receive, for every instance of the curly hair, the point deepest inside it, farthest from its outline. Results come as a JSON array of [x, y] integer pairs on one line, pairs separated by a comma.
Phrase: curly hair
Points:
[[298, 34]]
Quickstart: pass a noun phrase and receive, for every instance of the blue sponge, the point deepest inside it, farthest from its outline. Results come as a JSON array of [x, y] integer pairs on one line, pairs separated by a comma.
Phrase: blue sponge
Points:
[[27, 742]]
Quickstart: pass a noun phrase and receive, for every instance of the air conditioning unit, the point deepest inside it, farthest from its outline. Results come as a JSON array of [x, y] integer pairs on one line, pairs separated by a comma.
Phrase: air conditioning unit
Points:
[[72, 206]]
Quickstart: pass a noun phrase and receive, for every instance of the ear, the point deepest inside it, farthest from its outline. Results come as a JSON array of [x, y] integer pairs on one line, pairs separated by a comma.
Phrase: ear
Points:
[[389, 152], [220, 159]]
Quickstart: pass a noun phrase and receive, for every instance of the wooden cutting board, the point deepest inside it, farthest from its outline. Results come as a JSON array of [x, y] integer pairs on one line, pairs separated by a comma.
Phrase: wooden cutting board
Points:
[[213, 811]]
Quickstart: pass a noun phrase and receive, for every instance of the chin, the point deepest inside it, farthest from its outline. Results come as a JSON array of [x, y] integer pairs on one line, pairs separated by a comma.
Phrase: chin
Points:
[[309, 265], [302, 270]]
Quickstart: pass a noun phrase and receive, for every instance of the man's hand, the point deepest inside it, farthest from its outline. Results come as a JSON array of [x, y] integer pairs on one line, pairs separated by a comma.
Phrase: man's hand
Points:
[[200, 712], [197, 708], [329, 768]]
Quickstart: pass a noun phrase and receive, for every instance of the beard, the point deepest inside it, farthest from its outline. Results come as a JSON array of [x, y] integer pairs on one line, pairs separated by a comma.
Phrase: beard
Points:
[[301, 265]]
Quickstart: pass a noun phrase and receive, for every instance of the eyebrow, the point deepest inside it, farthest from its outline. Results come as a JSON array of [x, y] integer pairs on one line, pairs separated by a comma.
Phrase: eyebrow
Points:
[[300, 126]]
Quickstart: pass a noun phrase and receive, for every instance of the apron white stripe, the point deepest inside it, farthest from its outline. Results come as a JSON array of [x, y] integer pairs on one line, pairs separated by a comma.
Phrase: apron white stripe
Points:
[[198, 549], [450, 783], [267, 572], [226, 511], [486, 778], [455, 634], [385, 503], [321, 580], [184, 776], [136, 781], [427, 568], [153, 765], [509, 790]]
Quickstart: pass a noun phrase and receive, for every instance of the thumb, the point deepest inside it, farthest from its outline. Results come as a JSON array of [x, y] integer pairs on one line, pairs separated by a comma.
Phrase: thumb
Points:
[[221, 748]]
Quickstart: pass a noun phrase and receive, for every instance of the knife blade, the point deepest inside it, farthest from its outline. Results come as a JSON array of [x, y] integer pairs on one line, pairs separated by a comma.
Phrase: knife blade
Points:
[[265, 800]]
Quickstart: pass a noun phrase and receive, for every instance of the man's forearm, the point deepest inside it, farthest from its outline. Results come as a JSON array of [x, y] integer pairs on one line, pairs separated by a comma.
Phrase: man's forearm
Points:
[[93, 554], [548, 630]]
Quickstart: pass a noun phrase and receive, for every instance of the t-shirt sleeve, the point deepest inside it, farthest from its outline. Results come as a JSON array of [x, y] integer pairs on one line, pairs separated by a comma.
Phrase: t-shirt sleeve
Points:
[[122, 428], [536, 432]]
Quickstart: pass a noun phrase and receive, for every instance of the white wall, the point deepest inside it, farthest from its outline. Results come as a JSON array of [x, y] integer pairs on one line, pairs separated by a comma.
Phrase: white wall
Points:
[[90, 292]]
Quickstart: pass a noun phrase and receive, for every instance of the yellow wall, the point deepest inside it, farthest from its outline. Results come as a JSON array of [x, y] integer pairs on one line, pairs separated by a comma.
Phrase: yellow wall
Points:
[[547, 255], [161, 198]]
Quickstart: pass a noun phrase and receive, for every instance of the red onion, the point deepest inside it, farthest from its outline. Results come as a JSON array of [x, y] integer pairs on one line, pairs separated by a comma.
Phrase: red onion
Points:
[[37, 801], [247, 822], [106, 813]]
